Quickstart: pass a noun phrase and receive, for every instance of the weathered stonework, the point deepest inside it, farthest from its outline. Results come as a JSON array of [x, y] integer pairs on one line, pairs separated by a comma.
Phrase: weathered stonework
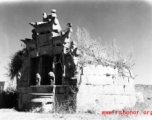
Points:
[[92, 87], [103, 88]]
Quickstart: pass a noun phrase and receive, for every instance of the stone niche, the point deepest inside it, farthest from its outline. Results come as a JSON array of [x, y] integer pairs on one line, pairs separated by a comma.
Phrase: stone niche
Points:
[[103, 88]]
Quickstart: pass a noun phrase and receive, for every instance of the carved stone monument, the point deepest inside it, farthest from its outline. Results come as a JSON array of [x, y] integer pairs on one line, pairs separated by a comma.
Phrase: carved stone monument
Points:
[[48, 70]]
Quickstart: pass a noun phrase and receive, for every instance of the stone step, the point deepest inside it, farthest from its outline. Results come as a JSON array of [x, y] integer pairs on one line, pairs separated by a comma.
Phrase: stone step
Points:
[[46, 104], [42, 95], [43, 100]]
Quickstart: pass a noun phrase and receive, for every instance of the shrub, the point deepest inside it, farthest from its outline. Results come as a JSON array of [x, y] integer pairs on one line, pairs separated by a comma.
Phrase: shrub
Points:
[[92, 52], [16, 63]]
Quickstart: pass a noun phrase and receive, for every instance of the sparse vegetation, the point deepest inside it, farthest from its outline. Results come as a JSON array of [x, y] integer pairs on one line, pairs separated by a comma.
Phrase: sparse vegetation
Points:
[[94, 53], [67, 106]]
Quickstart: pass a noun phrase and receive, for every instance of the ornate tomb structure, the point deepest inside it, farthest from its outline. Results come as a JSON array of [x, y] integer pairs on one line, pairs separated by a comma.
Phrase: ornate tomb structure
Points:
[[49, 71], [50, 75]]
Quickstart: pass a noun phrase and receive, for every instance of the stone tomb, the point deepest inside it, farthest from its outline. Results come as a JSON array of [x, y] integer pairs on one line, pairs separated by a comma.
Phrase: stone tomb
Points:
[[49, 50], [95, 87]]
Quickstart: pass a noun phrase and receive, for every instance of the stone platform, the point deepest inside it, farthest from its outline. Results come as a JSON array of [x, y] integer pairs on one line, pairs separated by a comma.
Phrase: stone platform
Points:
[[46, 95]]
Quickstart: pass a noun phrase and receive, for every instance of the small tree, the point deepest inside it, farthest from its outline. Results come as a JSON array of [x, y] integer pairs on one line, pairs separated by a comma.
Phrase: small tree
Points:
[[16, 63]]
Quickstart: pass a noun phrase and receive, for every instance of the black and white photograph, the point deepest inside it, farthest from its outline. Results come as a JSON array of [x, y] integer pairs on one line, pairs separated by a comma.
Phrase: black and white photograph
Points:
[[75, 59]]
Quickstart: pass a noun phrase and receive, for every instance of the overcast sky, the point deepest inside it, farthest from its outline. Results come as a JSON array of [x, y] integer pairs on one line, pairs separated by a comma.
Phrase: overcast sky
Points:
[[128, 22]]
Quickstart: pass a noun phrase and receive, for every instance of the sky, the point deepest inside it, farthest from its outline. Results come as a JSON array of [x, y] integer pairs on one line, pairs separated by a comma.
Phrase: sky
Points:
[[129, 22]]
